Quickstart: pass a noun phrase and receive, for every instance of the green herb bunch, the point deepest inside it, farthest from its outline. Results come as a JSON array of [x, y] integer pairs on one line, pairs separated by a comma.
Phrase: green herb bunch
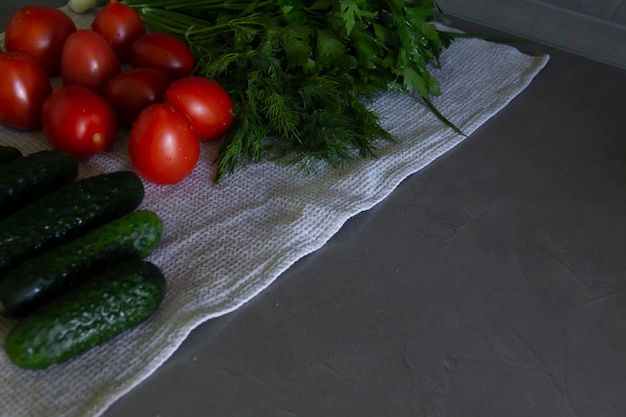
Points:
[[301, 72]]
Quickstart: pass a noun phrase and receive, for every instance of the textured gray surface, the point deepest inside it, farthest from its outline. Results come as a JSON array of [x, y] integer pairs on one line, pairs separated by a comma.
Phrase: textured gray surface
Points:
[[594, 29], [490, 284], [604, 9]]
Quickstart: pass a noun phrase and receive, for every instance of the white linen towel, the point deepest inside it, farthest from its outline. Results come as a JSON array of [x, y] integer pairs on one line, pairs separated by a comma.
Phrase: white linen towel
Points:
[[223, 244]]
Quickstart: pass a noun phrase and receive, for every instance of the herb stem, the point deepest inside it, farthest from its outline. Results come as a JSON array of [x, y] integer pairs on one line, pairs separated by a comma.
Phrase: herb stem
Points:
[[183, 25], [202, 4]]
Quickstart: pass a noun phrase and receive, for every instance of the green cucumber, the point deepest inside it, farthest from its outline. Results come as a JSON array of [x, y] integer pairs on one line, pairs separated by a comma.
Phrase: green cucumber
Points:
[[25, 179], [42, 277], [66, 213], [118, 299], [8, 154]]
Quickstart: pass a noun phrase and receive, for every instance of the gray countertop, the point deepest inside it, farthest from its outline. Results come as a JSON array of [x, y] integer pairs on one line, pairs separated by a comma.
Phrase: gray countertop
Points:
[[492, 283]]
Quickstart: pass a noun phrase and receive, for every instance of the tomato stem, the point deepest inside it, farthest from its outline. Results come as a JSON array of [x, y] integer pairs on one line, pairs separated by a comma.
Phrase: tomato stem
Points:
[[82, 6]]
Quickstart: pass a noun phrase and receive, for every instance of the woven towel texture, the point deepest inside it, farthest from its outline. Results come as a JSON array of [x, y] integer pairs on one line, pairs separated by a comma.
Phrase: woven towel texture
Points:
[[225, 243]]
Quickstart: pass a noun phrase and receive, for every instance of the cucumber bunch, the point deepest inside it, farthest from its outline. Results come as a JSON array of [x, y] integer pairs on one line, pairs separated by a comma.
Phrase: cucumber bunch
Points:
[[72, 256]]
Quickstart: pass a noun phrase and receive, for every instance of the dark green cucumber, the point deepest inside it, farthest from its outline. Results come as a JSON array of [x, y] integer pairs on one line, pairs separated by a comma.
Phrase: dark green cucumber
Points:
[[66, 213], [96, 311], [25, 179], [42, 277], [8, 154]]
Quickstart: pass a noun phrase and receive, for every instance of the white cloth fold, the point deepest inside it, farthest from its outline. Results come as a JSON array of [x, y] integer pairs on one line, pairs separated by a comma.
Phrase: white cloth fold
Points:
[[223, 244]]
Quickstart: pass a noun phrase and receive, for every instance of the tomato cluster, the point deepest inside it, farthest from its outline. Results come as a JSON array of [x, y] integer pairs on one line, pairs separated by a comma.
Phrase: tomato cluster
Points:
[[114, 75]]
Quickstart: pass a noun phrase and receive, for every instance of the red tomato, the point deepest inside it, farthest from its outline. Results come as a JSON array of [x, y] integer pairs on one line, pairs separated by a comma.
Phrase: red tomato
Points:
[[205, 102], [163, 146], [78, 121], [163, 52], [120, 25], [39, 32], [133, 90], [24, 86], [88, 60]]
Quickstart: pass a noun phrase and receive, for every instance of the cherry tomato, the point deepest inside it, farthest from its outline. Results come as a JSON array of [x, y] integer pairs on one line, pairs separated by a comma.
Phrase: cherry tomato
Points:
[[163, 146], [78, 121], [205, 102], [133, 90], [24, 86], [163, 52], [120, 25], [40, 32], [88, 60]]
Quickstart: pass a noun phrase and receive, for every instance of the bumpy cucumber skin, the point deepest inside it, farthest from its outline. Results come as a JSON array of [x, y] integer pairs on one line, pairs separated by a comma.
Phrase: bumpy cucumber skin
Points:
[[66, 213], [8, 154], [118, 299], [25, 179], [42, 277]]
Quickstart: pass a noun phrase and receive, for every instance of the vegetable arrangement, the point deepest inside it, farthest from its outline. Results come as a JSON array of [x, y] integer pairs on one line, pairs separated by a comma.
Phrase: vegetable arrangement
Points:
[[72, 268], [288, 80]]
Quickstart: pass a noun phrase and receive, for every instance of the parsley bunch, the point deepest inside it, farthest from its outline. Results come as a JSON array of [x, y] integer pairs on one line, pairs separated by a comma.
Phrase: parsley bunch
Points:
[[301, 72]]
